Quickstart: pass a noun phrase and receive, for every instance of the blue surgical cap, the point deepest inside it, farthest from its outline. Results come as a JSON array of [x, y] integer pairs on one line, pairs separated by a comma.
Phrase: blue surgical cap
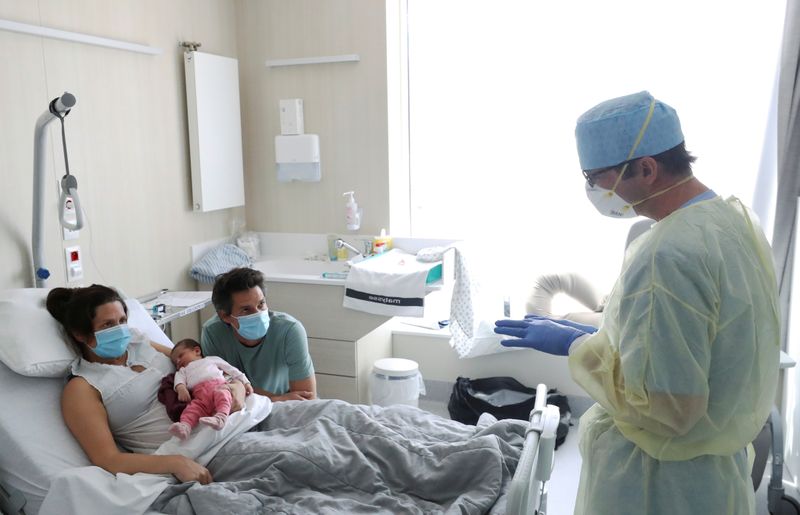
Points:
[[606, 133]]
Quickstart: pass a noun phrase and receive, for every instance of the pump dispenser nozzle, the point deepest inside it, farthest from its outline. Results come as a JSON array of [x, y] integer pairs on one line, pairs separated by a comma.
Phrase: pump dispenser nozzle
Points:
[[352, 213]]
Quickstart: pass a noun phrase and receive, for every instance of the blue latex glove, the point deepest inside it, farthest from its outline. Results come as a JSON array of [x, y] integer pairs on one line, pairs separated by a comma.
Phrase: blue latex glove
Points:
[[590, 329], [539, 333]]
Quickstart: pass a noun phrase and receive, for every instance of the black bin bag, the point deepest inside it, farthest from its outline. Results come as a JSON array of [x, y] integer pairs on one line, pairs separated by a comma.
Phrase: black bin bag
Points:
[[503, 397]]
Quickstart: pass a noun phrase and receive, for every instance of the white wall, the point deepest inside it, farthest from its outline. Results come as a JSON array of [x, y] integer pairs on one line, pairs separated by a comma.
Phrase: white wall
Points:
[[127, 138], [345, 103]]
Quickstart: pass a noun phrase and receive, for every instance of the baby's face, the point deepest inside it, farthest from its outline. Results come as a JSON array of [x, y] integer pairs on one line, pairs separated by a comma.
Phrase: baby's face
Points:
[[183, 355]]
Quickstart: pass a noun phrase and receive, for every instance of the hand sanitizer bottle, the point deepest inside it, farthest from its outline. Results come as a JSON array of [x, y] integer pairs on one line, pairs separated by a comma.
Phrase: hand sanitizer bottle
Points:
[[352, 213]]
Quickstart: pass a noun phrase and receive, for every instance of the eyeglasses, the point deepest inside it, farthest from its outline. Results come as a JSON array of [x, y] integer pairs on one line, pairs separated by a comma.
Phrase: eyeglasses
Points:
[[591, 175]]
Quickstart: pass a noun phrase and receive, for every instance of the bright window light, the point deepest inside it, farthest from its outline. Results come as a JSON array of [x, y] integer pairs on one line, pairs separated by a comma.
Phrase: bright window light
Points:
[[495, 87]]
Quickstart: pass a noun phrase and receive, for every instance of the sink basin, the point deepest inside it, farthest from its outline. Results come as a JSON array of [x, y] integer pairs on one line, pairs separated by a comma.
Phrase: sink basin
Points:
[[288, 269], [298, 270]]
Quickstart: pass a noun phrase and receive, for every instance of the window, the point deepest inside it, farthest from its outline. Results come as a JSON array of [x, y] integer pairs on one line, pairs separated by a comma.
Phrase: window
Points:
[[495, 87]]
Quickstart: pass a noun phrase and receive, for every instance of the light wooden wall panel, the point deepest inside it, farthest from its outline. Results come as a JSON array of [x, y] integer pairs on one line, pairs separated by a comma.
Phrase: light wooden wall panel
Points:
[[345, 103], [127, 138]]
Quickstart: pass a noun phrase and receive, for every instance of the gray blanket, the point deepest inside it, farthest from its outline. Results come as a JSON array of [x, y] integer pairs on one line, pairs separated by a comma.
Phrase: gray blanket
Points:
[[334, 457]]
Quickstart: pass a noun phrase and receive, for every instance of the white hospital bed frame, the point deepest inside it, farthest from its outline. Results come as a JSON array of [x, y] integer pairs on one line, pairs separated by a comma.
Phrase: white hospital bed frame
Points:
[[12, 501], [527, 494]]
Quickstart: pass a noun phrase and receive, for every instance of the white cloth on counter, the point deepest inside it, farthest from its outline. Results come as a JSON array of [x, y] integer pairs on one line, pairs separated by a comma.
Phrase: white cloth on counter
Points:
[[218, 261], [473, 311], [392, 284]]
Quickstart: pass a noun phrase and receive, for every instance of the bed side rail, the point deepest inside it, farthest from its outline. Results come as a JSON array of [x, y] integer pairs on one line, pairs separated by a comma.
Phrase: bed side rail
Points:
[[12, 501], [527, 494]]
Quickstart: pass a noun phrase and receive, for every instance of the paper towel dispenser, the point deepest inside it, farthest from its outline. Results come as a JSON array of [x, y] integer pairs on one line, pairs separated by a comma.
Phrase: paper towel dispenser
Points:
[[297, 157]]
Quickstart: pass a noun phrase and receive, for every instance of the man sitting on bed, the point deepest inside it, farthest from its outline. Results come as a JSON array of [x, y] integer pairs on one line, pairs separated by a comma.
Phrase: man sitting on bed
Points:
[[271, 348]]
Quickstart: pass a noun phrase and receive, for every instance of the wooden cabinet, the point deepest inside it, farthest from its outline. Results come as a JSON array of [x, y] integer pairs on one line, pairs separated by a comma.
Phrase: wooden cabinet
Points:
[[343, 343]]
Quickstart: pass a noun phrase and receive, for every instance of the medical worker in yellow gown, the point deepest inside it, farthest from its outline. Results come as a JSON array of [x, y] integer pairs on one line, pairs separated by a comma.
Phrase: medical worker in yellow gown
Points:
[[684, 365]]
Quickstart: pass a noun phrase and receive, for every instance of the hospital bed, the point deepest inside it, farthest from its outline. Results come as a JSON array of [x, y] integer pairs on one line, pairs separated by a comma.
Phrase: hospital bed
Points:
[[40, 456]]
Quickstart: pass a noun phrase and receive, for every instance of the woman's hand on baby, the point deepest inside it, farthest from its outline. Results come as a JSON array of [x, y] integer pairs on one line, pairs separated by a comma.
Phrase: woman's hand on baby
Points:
[[237, 395], [248, 389], [189, 470]]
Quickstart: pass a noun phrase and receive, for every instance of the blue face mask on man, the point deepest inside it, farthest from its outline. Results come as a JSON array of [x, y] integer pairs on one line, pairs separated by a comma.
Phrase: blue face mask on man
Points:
[[253, 327], [112, 342]]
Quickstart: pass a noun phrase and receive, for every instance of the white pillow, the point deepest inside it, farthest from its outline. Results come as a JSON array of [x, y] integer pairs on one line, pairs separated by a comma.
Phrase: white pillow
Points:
[[31, 341]]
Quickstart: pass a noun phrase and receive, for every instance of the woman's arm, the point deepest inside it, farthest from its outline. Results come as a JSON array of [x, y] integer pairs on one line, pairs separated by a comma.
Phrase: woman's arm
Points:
[[163, 349], [87, 419]]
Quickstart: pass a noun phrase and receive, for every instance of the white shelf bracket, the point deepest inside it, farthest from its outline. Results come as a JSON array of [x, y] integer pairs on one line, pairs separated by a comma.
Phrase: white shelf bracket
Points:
[[347, 58], [46, 32]]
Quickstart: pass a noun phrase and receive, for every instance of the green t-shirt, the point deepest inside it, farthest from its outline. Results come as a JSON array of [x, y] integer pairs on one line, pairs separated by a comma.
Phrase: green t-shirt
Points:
[[282, 355]]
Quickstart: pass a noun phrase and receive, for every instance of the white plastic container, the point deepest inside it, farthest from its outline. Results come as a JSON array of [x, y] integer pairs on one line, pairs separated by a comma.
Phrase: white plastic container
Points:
[[395, 381]]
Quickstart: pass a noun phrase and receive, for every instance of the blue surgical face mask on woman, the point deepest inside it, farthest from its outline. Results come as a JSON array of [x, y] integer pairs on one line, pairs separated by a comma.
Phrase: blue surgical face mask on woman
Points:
[[253, 327], [112, 342]]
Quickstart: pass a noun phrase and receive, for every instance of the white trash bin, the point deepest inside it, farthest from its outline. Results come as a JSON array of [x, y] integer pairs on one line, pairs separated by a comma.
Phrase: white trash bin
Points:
[[395, 381]]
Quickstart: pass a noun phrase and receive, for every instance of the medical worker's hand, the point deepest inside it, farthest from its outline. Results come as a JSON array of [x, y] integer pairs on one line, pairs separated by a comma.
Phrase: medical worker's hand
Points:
[[186, 469], [540, 334], [590, 329]]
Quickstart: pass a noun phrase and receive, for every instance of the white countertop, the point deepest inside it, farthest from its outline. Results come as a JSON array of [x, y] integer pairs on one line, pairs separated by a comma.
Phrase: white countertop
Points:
[[294, 269]]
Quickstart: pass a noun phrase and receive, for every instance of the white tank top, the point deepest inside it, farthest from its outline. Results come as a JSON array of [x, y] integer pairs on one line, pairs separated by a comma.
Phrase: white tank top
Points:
[[138, 421]]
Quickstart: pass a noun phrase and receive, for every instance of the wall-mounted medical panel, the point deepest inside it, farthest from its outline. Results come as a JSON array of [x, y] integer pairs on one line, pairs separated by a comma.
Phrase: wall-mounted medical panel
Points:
[[215, 131]]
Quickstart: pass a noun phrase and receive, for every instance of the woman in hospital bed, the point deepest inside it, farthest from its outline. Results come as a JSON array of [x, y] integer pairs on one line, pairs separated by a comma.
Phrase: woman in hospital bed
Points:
[[353, 456]]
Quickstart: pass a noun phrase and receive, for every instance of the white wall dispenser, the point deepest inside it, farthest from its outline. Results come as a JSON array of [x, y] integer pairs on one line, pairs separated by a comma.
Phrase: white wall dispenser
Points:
[[296, 153], [297, 157]]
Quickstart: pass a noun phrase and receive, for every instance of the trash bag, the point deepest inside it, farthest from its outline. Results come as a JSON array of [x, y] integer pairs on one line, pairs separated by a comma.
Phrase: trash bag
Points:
[[503, 397]]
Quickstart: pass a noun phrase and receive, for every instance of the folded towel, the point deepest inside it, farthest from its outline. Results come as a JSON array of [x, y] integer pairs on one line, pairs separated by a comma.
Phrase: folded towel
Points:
[[218, 261], [390, 284]]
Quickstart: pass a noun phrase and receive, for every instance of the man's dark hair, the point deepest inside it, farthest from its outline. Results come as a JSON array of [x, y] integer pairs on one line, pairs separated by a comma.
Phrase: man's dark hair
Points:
[[234, 281], [676, 161]]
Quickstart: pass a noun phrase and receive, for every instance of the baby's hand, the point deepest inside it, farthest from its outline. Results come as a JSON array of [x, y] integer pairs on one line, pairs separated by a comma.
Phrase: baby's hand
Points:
[[184, 395]]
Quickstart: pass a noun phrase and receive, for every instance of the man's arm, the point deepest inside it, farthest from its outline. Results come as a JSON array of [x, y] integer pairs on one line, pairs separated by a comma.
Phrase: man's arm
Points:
[[302, 382], [301, 390]]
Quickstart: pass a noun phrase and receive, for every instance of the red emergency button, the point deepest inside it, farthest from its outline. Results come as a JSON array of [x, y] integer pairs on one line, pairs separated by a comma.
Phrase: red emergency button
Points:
[[74, 256]]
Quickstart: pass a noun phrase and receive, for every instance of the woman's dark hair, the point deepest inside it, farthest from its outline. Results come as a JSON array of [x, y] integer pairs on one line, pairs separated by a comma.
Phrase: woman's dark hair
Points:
[[186, 343], [234, 281], [75, 308]]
